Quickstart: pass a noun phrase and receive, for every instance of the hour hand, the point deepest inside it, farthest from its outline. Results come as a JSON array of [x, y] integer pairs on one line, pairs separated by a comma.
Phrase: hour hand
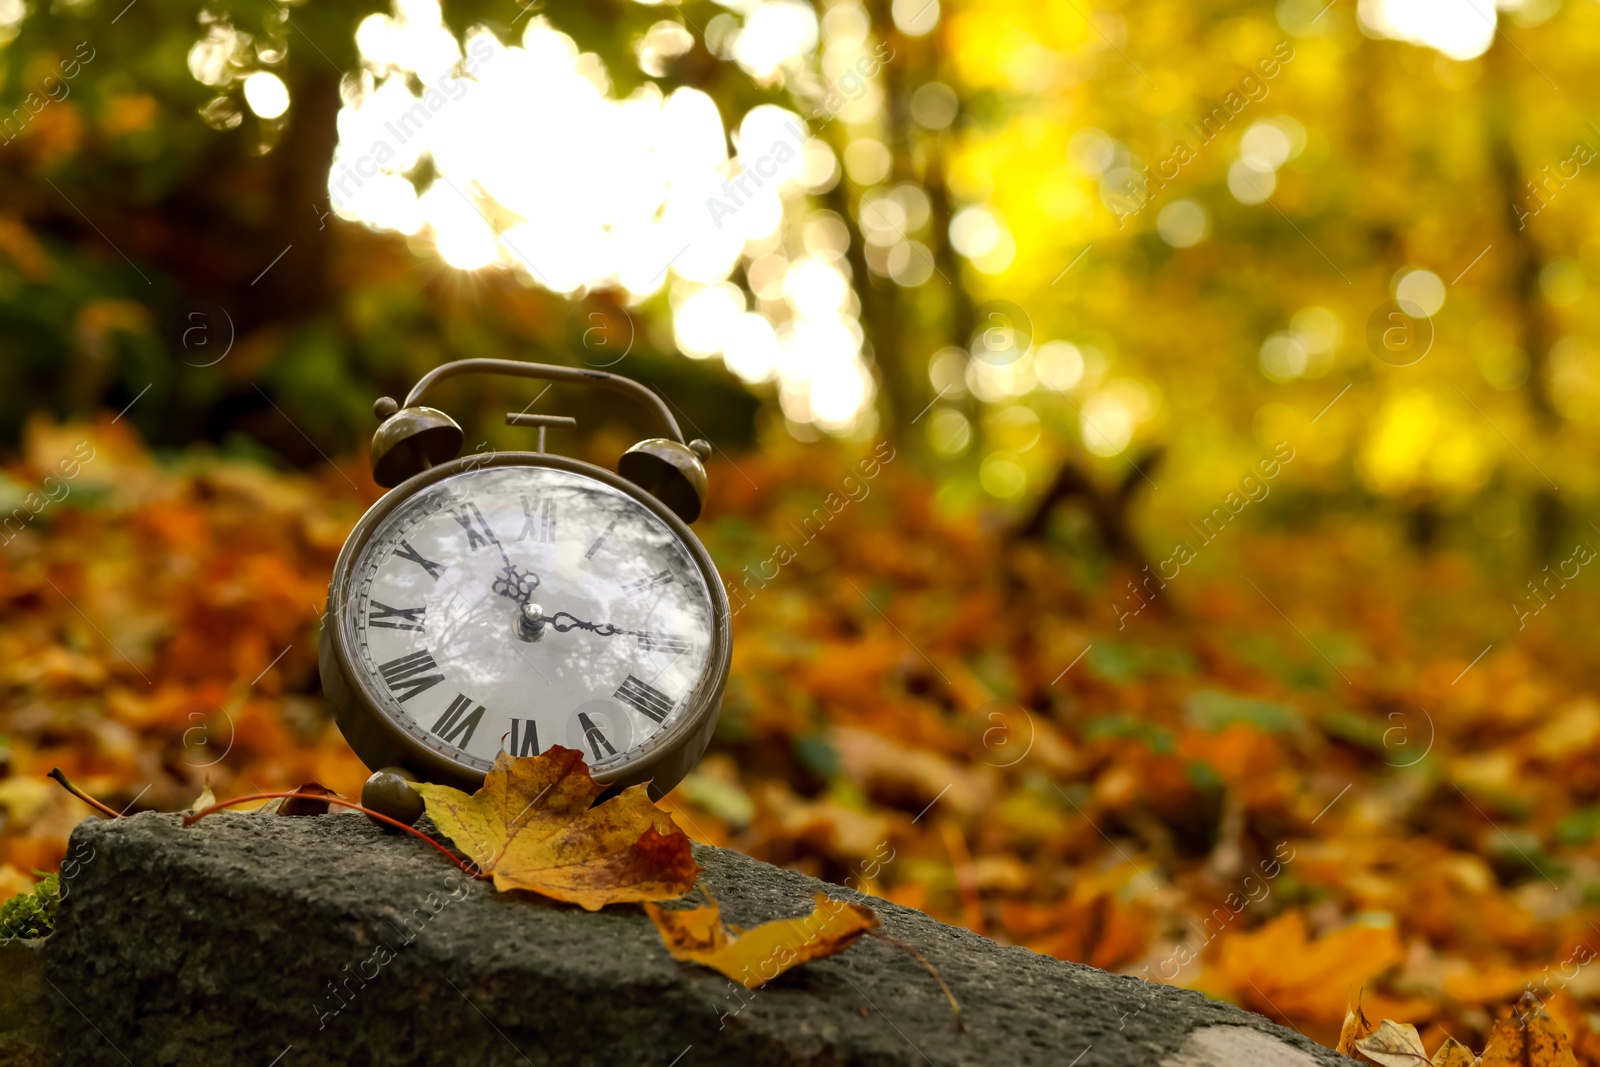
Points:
[[516, 584]]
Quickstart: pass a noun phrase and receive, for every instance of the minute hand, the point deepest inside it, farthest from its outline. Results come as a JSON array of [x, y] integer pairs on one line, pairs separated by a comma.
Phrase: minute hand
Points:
[[604, 629], [657, 641]]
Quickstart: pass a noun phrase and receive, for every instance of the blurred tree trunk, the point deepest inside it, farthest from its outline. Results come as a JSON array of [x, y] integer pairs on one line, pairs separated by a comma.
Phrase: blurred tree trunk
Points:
[[1532, 323], [890, 314], [1501, 118]]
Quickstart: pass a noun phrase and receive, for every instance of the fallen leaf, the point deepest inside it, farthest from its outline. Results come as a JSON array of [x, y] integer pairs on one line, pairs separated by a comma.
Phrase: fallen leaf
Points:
[[1453, 1054], [1393, 1044], [1573, 1021], [1486, 983], [255, 547], [1530, 1040], [1098, 923], [1356, 1026], [532, 827], [206, 797], [1282, 972], [756, 956]]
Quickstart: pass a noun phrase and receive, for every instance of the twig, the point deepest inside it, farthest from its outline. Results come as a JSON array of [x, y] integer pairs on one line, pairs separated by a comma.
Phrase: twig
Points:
[[955, 1009], [55, 772], [190, 820]]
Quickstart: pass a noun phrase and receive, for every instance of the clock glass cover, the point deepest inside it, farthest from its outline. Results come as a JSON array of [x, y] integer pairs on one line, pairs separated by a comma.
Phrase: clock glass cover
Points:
[[511, 608]]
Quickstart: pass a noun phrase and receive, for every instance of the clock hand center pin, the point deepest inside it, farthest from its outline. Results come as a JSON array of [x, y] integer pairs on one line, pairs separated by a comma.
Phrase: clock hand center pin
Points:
[[530, 622]]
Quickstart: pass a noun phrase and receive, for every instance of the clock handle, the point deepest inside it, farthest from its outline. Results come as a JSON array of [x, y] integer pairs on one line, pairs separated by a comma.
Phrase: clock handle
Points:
[[519, 369], [415, 437]]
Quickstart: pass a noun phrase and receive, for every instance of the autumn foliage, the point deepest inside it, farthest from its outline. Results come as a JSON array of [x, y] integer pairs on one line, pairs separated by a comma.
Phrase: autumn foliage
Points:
[[1289, 796], [534, 825], [756, 956]]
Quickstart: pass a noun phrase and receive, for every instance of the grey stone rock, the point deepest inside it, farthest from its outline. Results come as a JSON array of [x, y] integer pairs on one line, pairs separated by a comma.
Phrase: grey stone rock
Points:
[[1227, 1046], [263, 940], [24, 1004]]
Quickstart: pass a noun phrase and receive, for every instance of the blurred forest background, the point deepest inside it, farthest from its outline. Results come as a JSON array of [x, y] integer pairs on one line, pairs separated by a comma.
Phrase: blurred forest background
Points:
[[1223, 613]]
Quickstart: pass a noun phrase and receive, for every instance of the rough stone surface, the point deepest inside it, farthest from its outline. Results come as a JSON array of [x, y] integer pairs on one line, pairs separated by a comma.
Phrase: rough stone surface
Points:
[[24, 1004], [1224, 1046], [246, 938]]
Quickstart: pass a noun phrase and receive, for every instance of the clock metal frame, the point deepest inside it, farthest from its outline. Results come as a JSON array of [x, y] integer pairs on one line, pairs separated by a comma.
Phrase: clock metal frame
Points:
[[662, 760]]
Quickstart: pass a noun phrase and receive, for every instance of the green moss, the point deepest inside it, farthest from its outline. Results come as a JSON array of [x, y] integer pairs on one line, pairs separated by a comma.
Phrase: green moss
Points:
[[32, 914]]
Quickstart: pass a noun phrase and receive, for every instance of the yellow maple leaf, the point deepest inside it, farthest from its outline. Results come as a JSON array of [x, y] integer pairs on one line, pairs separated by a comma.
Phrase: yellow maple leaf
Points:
[[1573, 1021], [1453, 1054], [1281, 971], [756, 956], [532, 826], [1527, 1041]]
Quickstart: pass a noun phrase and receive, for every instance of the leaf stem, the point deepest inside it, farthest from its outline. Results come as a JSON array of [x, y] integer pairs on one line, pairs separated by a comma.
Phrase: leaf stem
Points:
[[955, 1009], [190, 820], [55, 772]]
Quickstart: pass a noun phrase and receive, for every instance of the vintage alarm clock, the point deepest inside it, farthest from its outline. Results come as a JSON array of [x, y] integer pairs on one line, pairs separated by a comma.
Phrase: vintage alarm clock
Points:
[[510, 601]]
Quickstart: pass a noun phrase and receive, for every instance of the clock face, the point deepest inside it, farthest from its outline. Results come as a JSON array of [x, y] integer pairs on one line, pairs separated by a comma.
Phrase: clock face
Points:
[[511, 608]]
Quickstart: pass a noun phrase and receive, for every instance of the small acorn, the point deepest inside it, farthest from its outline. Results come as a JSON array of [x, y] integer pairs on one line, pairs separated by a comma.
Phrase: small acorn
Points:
[[389, 792]]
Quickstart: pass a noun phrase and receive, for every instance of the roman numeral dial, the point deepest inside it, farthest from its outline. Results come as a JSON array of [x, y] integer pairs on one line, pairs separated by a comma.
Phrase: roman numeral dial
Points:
[[405, 551], [538, 523], [671, 644], [508, 607], [645, 698], [599, 744], [598, 541], [523, 740], [410, 675], [472, 521], [663, 577], [395, 618], [460, 719]]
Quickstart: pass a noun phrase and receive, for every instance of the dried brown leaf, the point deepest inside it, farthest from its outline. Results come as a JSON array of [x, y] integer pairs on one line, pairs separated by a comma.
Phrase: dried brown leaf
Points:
[[1393, 1044]]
